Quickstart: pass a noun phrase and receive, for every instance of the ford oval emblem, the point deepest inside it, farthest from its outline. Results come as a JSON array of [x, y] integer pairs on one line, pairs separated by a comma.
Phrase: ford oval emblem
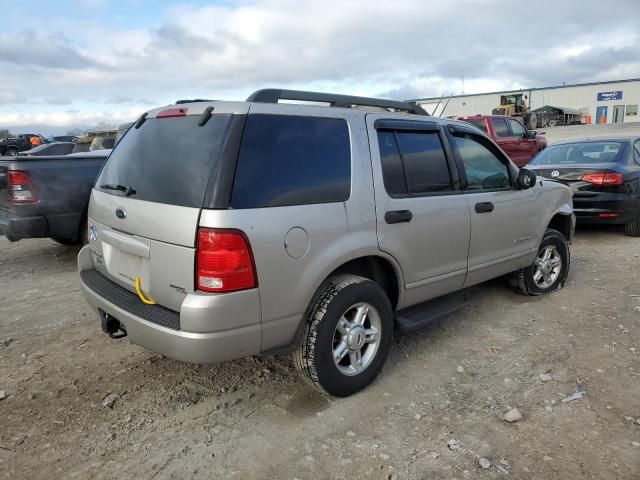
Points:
[[120, 213]]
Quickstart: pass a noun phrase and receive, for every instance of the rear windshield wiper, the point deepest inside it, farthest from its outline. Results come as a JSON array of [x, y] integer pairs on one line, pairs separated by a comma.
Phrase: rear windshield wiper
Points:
[[126, 189]]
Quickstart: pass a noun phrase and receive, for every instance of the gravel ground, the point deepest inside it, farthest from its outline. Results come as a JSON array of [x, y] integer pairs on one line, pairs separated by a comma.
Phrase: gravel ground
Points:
[[75, 404]]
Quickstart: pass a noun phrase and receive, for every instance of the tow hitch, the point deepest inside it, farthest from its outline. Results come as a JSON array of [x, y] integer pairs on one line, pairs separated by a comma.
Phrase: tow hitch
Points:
[[111, 326]]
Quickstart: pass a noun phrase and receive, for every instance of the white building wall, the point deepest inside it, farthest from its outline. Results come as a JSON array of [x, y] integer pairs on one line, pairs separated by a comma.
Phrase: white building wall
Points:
[[580, 97]]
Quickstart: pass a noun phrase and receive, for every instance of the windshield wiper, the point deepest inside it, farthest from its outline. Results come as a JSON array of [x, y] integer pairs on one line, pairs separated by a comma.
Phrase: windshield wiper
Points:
[[126, 189]]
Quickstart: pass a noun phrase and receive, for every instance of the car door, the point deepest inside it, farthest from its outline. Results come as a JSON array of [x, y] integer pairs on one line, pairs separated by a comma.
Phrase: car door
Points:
[[422, 215], [524, 145], [503, 137], [503, 218]]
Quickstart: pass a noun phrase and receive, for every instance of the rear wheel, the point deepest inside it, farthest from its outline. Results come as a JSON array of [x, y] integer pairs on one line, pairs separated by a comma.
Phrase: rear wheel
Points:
[[67, 241], [632, 228], [12, 152], [549, 270], [347, 337]]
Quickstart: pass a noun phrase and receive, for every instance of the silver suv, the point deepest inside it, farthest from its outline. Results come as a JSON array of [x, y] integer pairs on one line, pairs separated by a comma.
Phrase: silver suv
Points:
[[220, 230]]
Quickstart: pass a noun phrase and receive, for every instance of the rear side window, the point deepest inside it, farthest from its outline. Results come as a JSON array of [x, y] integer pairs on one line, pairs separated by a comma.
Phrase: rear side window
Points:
[[166, 160], [413, 163], [424, 162], [292, 160], [392, 169], [500, 127]]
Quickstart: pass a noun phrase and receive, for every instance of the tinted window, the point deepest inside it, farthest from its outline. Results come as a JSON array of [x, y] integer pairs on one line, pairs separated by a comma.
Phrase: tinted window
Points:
[[424, 162], [167, 160], [392, 169], [292, 160], [480, 123], [483, 168], [516, 128], [636, 152], [578, 153], [500, 127]]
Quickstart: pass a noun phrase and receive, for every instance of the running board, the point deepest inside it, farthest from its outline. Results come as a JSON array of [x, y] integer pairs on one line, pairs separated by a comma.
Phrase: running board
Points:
[[419, 316]]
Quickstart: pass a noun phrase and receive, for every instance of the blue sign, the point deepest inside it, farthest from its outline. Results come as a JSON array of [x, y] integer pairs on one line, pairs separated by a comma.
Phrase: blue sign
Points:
[[606, 96]]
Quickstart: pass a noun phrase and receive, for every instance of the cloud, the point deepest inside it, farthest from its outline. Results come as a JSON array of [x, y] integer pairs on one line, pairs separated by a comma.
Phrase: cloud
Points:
[[407, 48], [49, 51]]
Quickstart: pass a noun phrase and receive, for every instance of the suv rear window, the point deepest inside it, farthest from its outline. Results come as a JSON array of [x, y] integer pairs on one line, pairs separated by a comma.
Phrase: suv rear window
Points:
[[166, 160], [292, 160]]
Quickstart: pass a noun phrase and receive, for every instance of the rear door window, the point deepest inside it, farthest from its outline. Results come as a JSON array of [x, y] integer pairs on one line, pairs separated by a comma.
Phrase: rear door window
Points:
[[413, 162], [292, 160], [424, 162], [500, 127], [166, 160]]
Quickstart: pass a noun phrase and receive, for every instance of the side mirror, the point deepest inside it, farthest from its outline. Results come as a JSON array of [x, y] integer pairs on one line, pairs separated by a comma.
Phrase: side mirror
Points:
[[532, 133], [526, 179]]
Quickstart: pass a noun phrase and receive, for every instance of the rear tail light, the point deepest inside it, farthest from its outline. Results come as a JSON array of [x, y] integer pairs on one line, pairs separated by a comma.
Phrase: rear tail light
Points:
[[20, 187], [224, 261], [609, 215], [608, 179]]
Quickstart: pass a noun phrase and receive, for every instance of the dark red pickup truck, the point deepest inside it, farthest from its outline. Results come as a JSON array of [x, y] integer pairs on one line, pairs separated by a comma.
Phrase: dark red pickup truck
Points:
[[520, 144]]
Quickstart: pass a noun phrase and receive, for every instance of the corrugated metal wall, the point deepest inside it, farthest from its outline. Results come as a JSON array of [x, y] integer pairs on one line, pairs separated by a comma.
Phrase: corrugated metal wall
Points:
[[580, 97]]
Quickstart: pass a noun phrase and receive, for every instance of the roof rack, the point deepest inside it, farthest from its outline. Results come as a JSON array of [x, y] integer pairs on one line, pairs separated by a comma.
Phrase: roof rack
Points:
[[273, 95]]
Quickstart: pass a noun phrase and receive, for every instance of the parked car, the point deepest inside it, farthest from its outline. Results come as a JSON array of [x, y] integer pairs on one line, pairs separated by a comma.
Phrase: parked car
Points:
[[47, 196], [55, 148], [12, 146], [225, 229], [604, 175], [520, 144]]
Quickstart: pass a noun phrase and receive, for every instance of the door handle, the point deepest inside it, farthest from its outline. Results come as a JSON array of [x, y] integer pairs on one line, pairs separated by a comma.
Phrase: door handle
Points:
[[484, 207], [398, 216]]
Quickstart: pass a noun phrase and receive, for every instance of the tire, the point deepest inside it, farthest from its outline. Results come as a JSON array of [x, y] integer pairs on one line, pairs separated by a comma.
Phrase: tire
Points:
[[67, 241], [528, 280], [553, 123], [11, 152], [632, 228], [341, 299]]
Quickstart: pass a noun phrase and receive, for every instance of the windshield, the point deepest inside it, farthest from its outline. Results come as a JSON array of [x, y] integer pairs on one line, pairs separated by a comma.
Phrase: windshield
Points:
[[578, 153], [166, 160]]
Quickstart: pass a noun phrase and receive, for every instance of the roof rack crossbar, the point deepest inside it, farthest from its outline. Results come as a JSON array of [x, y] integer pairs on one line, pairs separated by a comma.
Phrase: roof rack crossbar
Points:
[[273, 95]]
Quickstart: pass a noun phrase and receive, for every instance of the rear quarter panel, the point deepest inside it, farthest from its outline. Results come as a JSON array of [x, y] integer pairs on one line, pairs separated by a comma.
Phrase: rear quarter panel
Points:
[[63, 185]]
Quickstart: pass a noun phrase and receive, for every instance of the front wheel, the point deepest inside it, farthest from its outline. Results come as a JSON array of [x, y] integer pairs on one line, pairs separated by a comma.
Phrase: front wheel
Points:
[[347, 336], [549, 270]]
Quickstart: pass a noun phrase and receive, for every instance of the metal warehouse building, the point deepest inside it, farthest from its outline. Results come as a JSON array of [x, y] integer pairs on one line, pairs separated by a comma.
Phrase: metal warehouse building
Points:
[[602, 102]]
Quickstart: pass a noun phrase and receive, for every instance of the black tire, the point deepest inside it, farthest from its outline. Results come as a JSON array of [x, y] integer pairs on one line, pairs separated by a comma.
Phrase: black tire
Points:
[[632, 228], [314, 356], [553, 123], [67, 241], [523, 280], [11, 152]]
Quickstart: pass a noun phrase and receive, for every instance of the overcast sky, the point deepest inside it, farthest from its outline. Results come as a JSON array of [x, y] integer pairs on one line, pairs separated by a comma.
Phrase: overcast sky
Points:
[[78, 62]]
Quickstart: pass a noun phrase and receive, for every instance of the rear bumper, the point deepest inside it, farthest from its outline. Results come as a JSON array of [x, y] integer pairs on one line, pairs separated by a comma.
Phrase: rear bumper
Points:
[[16, 228], [612, 208], [212, 328]]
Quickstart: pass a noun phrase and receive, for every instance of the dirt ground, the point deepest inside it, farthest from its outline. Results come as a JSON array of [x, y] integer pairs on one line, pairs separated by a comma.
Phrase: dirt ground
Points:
[[254, 418]]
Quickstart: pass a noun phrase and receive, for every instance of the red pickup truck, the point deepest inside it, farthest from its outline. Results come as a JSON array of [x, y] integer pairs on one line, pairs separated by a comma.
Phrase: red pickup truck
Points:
[[520, 144]]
